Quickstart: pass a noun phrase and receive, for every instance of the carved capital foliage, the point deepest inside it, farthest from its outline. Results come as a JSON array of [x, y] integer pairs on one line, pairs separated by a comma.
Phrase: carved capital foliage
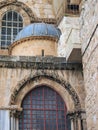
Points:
[[76, 114]]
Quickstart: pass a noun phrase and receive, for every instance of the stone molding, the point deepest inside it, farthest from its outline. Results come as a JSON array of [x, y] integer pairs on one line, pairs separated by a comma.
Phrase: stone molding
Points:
[[51, 76], [38, 62], [32, 17]]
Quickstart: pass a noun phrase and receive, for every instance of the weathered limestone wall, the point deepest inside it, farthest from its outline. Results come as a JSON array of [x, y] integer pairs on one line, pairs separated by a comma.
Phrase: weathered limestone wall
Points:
[[35, 47], [75, 2], [89, 38], [1, 0], [14, 76], [40, 8], [70, 28], [59, 8], [4, 52], [90, 62], [88, 21], [57, 5]]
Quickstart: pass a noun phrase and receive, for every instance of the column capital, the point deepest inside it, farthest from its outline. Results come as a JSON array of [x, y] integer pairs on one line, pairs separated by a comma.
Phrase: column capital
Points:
[[15, 113], [83, 115], [77, 114]]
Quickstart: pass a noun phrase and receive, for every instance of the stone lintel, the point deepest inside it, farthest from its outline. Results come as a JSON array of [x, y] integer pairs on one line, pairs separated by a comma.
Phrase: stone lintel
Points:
[[38, 62]]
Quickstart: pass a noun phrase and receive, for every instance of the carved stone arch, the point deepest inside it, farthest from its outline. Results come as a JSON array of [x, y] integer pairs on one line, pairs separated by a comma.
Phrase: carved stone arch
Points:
[[18, 5], [52, 77]]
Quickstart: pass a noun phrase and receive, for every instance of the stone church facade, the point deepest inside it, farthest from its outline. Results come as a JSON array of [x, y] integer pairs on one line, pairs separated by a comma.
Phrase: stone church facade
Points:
[[48, 65]]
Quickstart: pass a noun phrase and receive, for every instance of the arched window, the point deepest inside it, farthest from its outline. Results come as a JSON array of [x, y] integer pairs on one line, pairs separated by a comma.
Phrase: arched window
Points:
[[43, 109], [11, 24]]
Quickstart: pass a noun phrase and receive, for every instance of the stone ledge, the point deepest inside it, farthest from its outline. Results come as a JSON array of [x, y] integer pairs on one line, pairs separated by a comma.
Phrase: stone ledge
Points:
[[38, 62]]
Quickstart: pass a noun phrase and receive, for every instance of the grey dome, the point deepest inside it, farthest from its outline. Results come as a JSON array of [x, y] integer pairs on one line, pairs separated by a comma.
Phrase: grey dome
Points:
[[39, 29]]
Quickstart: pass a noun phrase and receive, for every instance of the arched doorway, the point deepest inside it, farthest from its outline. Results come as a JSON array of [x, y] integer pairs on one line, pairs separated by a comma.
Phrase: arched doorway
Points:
[[43, 109]]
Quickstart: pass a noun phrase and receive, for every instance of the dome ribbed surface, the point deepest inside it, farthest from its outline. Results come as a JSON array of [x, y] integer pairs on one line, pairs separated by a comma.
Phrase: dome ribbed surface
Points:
[[39, 29]]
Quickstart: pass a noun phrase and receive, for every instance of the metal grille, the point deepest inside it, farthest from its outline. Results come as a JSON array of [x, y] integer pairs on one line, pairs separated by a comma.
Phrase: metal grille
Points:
[[72, 8], [12, 23], [43, 109]]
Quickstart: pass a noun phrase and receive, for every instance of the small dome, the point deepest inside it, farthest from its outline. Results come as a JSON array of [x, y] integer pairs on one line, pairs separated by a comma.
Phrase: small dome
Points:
[[39, 29]]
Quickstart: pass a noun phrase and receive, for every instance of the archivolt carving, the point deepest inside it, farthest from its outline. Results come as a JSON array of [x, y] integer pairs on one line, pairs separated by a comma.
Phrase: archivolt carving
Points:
[[51, 76]]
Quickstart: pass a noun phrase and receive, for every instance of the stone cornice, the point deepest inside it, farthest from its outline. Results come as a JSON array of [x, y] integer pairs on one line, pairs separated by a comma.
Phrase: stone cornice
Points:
[[50, 38], [39, 62]]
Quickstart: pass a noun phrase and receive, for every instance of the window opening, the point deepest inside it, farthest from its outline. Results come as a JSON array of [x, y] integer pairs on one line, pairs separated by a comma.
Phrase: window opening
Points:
[[11, 24], [72, 8], [43, 109]]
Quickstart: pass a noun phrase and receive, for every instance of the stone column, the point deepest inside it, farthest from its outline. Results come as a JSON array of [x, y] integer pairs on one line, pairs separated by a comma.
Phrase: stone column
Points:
[[4, 120], [71, 117], [17, 114], [12, 119], [76, 123], [72, 124], [14, 123], [83, 121], [75, 118], [79, 124], [17, 124], [11, 123], [84, 125], [78, 120]]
